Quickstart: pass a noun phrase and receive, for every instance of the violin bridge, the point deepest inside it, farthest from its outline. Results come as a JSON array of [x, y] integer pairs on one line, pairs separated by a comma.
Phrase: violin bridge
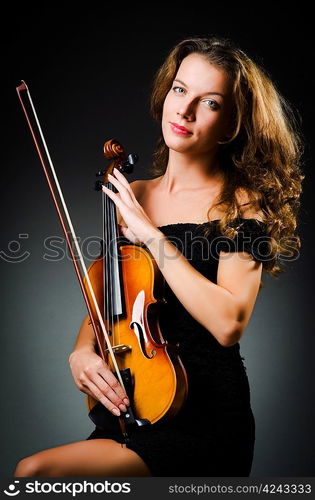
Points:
[[120, 348]]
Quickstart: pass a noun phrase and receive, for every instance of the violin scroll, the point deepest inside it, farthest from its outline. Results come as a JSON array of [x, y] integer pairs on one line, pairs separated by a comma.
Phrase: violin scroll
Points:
[[113, 150]]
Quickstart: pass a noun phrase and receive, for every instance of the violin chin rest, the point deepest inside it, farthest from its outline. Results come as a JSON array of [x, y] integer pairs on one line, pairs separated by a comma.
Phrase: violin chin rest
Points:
[[106, 421]]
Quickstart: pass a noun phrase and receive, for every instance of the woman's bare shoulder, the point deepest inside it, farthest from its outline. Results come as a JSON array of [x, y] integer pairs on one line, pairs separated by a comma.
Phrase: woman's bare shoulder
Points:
[[138, 186], [141, 187], [143, 184]]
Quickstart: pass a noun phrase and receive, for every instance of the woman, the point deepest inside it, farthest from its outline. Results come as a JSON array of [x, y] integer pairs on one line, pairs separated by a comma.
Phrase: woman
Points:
[[228, 172]]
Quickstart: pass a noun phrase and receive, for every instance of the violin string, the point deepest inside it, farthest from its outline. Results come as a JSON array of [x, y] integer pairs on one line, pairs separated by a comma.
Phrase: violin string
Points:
[[105, 257], [109, 288], [116, 263], [110, 230], [109, 281], [111, 242], [73, 234], [113, 263]]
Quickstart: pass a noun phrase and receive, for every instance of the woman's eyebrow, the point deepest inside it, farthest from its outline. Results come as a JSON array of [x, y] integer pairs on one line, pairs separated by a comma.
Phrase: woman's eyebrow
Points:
[[212, 93]]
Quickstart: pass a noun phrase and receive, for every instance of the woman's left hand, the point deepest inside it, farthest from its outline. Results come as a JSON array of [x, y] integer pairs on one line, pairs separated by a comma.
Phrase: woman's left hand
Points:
[[139, 227]]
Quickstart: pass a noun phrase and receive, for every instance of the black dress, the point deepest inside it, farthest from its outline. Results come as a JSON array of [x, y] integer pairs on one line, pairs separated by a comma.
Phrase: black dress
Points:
[[214, 433]]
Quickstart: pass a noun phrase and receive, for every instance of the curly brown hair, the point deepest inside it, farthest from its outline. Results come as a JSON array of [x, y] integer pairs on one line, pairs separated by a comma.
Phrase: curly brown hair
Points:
[[264, 154]]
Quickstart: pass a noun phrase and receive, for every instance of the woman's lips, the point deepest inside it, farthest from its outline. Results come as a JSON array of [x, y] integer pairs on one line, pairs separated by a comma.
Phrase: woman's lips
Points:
[[178, 130]]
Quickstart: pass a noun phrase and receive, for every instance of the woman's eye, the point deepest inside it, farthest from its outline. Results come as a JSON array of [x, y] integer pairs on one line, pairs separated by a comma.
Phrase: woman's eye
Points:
[[214, 104], [178, 88]]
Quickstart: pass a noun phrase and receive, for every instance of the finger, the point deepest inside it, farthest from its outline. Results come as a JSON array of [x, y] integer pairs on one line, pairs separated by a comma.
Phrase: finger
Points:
[[118, 201], [124, 192], [127, 233], [114, 384], [97, 394], [108, 391], [120, 177], [124, 181]]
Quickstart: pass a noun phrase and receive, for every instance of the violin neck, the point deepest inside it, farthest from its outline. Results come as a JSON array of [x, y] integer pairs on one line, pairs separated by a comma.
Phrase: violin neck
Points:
[[113, 298]]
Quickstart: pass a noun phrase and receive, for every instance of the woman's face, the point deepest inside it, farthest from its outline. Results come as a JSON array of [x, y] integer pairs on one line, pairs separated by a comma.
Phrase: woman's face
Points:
[[199, 100]]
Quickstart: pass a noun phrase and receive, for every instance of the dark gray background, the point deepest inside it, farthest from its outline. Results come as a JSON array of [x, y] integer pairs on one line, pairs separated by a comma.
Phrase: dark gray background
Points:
[[89, 73]]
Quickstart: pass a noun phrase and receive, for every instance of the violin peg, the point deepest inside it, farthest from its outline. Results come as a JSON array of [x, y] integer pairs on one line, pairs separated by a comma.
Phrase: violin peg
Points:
[[100, 173], [98, 185], [133, 158], [129, 163]]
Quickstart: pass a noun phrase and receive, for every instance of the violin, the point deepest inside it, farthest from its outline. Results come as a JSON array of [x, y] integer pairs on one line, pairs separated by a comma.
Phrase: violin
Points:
[[123, 293]]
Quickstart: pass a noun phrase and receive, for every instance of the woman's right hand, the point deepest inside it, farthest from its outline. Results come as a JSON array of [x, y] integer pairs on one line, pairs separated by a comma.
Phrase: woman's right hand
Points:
[[93, 376]]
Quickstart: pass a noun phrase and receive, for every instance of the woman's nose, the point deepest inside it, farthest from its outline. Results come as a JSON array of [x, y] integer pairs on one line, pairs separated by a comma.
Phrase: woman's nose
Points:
[[186, 110], [185, 114]]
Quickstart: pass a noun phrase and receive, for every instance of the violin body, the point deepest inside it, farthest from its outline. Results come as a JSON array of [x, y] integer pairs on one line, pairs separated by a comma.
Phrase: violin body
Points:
[[159, 380]]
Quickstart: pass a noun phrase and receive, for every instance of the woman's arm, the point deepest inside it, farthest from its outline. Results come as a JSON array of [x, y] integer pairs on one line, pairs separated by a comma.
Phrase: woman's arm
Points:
[[92, 375], [223, 308], [86, 338]]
